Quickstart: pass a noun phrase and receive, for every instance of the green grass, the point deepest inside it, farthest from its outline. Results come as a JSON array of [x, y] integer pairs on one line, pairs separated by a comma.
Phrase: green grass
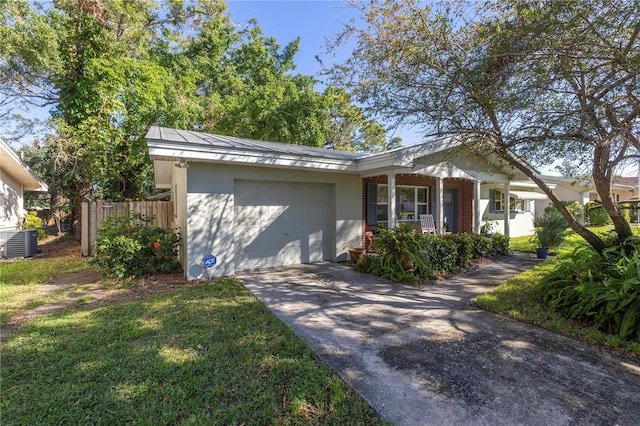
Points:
[[209, 353], [19, 280], [516, 298]]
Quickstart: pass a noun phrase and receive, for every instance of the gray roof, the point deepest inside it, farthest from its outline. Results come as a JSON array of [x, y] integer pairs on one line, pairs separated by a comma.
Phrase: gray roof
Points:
[[205, 140]]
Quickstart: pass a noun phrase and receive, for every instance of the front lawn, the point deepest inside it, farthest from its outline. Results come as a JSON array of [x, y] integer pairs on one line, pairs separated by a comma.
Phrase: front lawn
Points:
[[19, 280], [207, 353], [517, 298]]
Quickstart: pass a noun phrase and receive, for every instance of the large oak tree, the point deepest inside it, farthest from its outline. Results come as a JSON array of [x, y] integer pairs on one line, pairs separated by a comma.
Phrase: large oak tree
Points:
[[108, 69], [532, 82]]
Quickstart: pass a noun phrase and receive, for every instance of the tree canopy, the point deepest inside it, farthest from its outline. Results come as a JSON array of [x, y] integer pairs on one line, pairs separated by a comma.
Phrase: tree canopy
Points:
[[529, 81], [109, 69]]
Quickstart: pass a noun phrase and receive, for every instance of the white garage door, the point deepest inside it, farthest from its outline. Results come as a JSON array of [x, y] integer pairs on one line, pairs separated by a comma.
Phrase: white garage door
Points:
[[281, 223]]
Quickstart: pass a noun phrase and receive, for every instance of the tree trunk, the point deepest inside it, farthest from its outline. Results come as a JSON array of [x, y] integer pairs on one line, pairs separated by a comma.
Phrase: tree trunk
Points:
[[591, 238], [83, 190], [603, 186]]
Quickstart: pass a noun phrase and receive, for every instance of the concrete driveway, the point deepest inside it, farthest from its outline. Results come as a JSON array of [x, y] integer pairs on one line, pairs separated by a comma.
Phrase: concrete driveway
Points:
[[423, 356]]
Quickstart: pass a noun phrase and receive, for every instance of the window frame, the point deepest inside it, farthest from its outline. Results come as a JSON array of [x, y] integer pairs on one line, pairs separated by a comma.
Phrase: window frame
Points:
[[385, 203], [498, 203]]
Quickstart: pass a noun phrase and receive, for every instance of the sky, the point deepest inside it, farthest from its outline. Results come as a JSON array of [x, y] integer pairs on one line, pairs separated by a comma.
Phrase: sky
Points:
[[314, 22]]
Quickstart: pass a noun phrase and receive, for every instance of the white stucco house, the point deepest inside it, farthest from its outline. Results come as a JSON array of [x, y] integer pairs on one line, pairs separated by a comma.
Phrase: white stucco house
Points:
[[15, 179], [243, 204]]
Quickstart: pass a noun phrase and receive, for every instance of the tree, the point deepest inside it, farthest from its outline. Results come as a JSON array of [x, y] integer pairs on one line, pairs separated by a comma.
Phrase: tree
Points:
[[350, 130], [109, 69], [529, 81], [93, 63]]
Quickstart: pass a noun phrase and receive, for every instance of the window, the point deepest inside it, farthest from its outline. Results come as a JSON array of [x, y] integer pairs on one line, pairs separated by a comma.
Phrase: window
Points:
[[515, 204], [410, 203]]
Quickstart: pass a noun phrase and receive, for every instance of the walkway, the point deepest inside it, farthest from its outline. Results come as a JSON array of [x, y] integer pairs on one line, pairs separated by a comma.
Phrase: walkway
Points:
[[423, 356]]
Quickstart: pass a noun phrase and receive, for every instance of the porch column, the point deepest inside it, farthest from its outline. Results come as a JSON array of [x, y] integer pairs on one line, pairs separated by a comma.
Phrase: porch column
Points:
[[440, 205], [477, 214], [507, 208], [391, 207]]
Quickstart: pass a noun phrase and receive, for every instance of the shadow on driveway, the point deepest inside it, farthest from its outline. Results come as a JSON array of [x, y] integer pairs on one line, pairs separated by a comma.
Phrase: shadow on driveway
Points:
[[425, 356]]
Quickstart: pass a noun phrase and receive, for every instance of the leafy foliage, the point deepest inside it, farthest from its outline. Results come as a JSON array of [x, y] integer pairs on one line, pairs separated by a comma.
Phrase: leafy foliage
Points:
[[529, 82], [402, 255], [32, 221], [108, 70], [130, 246], [603, 290], [550, 228], [596, 214]]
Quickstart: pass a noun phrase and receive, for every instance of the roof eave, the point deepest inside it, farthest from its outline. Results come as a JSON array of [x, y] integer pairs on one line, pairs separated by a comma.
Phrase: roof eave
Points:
[[161, 152]]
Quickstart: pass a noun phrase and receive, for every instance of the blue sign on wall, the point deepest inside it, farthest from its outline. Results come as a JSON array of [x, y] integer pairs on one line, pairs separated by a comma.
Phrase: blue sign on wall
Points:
[[210, 261]]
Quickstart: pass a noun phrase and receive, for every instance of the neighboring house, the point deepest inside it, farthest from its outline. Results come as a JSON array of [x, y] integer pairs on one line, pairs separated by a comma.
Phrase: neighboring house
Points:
[[243, 204], [525, 203], [569, 189], [15, 178]]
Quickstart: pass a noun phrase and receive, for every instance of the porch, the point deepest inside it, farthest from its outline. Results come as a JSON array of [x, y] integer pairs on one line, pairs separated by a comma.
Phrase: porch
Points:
[[455, 203]]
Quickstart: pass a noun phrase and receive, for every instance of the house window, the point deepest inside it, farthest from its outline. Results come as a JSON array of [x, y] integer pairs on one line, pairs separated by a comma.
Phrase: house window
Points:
[[382, 203], [410, 203], [515, 204]]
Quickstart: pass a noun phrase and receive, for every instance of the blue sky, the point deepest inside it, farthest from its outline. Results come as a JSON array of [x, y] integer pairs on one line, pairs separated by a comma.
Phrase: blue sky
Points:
[[312, 21]]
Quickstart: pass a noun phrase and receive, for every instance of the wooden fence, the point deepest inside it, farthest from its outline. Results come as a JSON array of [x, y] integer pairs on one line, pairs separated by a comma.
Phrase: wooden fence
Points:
[[95, 212]]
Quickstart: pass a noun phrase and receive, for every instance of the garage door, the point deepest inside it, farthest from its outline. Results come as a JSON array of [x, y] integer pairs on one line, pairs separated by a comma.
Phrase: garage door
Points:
[[281, 223]]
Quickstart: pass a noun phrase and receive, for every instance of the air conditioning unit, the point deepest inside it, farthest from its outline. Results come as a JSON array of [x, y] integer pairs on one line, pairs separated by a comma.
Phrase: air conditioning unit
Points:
[[19, 243]]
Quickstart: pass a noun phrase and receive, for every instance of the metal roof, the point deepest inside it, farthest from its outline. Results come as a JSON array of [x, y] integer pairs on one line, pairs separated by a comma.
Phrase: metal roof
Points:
[[208, 141]]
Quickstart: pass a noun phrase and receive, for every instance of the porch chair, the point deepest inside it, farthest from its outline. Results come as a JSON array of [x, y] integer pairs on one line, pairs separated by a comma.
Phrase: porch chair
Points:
[[427, 224]]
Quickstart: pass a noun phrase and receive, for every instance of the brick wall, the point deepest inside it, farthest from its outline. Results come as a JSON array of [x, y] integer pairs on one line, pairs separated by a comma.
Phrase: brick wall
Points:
[[465, 200]]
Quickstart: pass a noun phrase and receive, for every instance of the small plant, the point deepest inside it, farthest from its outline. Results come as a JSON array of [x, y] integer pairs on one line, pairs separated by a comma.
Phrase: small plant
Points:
[[500, 244], [550, 228], [130, 246], [33, 221], [596, 214], [488, 226]]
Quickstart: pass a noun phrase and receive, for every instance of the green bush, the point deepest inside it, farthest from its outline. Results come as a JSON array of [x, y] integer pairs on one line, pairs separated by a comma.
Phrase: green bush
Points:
[[500, 244], [463, 247], [130, 247], [33, 221], [603, 290], [483, 246], [441, 256], [402, 255], [550, 228], [596, 214]]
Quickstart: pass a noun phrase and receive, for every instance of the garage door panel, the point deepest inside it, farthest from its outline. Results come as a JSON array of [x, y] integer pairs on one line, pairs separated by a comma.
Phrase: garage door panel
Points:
[[280, 223]]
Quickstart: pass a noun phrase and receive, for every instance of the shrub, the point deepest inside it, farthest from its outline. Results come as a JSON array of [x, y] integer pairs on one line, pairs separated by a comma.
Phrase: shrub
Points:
[[402, 255], [603, 290], [483, 246], [550, 228], [130, 246], [440, 256], [500, 244], [33, 221], [464, 248], [596, 214]]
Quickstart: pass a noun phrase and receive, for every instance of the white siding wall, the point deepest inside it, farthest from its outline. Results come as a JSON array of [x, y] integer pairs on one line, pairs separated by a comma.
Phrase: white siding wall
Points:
[[520, 224], [11, 201], [210, 212], [179, 199]]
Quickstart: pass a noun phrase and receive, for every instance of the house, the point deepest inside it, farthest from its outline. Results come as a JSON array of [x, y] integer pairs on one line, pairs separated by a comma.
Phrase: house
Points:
[[583, 191], [243, 204], [15, 178]]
